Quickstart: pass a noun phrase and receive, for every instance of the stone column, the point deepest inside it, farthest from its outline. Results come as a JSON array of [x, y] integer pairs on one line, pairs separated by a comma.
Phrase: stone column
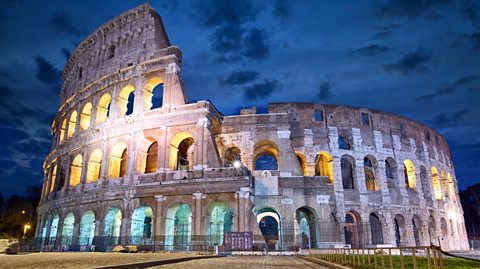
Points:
[[125, 230], [163, 151], [58, 240], [200, 144], [139, 102], [197, 221], [243, 196], [173, 93], [76, 231], [159, 233]]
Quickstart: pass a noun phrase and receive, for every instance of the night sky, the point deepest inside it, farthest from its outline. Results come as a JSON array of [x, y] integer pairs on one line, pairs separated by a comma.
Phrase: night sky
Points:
[[418, 59]]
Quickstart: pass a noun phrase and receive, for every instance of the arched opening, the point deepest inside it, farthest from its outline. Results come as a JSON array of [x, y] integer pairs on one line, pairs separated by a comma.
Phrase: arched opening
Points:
[[347, 167], [118, 161], [451, 185], [375, 229], [67, 231], [126, 99], [369, 169], [54, 229], [353, 229], [85, 116], [343, 143], [154, 93], [432, 230], [324, 165], [219, 222], [302, 161], [87, 228], [181, 152], [443, 227], [103, 108], [266, 156], [400, 233], [409, 174], [178, 227], [94, 166], [63, 128], [306, 220], [142, 226], [231, 155], [436, 184], [72, 123], [269, 223], [111, 226], [53, 178], [76, 170], [444, 183], [390, 168], [152, 155], [416, 224]]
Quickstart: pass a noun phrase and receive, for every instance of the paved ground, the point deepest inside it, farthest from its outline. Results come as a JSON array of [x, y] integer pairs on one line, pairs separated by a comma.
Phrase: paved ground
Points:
[[252, 262], [79, 260]]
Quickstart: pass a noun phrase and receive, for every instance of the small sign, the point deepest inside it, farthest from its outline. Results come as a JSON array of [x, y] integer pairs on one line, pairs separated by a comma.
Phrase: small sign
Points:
[[323, 199], [287, 201], [238, 241]]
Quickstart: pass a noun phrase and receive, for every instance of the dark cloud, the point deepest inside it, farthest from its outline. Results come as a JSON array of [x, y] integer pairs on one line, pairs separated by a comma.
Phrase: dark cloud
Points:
[[239, 77], [325, 90], [470, 40], [282, 10], [460, 115], [62, 23], [66, 53], [470, 11], [262, 90], [256, 44], [465, 80], [408, 8], [440, 119], [47, 73], [443, 119], [372, 50], [212, 13], [412, 62]]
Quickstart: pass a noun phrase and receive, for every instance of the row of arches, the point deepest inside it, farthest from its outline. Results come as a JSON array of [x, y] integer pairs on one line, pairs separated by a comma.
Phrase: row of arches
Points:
[[153, 98]]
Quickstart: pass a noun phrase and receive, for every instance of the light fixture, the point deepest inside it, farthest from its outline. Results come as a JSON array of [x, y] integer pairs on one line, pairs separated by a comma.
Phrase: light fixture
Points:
[[237, 164]]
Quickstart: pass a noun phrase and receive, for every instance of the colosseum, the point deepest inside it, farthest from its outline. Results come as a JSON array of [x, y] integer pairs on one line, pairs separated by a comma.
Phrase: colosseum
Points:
[[134, 163]]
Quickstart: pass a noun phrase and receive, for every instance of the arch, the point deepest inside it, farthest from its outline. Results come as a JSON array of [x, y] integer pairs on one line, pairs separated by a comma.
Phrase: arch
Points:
[[54, 229], [153, 93], [400, 232], [67, 230], [307, 231], [94, 166], [141, 228], [72, 123], [348, 172], [409, 174], [103, 108], [63, 129], [390, 168], [432, 229], [451, 188], [152, 155], [436, 184], [266, 156], [370, 170], [302, 162], [231, 155], [86, 116], [353, 229], [181, 151], [53, 178], [269, 221], [416, 225], [324, 165], [375, 229], [118, 161], [111, 226], [125, 100], [343, 143], [178, 227], [443, 227], [76, 170], [219, 221], [87, 228], [444, 183]]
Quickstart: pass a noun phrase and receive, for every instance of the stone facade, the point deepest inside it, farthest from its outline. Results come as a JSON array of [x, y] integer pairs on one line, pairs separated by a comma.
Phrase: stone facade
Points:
[[178, 175]]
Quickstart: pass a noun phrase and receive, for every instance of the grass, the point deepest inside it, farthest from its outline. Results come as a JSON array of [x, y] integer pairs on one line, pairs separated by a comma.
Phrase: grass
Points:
[[421, 262]]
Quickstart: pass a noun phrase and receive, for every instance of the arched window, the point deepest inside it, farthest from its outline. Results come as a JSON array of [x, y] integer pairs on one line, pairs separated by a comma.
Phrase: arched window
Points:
[[87, 228], [126, 100], [85, 116], [400, 232], [347, 167], [63, 128], [152, 155], [324, 166], [343, 143], [103, 108], [94, 166], [178, 227], [53, 178], [182, 152], [416, 224], [153, 93], [376, 229], [266, 156], [111, 51], [390, 168], [118, 161], [307, 227], [409, 174], [76, 170], [219, 222], [72, 124], [67, 231], [111, 226], [141, 227], [436, 183], [231, 155], [353, 229], [444, 183], [451, 188], [301, 161], [369, 168]]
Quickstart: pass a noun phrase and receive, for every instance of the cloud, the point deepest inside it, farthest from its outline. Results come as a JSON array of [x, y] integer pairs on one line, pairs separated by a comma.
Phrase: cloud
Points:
[[256, 44], [62, 23], [324, 90], [372, 50], [409, 9], [460, 115], [262, 90], [470, 11], [385, 31], [465, 80], [445, 118], [414, 61], [47, 73], [212, 13], [440, 119], [239, 77], [66, 53], [282, 10], [471, 40]]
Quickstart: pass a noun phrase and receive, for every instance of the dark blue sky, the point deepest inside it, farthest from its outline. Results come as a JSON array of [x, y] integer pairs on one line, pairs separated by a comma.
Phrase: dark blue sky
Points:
[[419, 59]]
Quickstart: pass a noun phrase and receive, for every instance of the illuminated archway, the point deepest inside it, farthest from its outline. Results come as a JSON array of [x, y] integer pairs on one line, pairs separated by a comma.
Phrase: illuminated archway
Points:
[[54, 229], [76, 170], [178, 227], [302, 161], [370, 171], [307, 232], [269, 223], [353, 229], [72, 123], [118, 161], [324, 165], [87, 228], [409, 174], [63, 129], [181, 152], [154, 93], [103, 108], [231, 155], [142, 226], [53, 178], [152, 155], [266, 156], [111, 226], [437, 188], [67, 231], [85, 116], [219, 222], [94, 166], [126, 99]]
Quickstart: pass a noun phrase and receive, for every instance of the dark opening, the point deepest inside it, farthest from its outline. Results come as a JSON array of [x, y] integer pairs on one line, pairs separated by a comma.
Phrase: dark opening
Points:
[[123, 163], [157, 98], [318, 115], [266, 162], [347, 173], [111, 51], [365, 119], [269, 228], [152, 155], [131, 100], [343, 143]]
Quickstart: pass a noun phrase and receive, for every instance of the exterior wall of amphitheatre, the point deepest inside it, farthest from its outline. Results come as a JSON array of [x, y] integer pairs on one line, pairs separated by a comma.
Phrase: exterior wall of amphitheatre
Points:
[[342, 171]]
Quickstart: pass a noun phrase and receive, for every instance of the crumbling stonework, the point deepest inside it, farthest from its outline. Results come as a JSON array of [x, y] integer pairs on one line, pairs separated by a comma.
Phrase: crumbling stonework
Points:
[[177, 175]]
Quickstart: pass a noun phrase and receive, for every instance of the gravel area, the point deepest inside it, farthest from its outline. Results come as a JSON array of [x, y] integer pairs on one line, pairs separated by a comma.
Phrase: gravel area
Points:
[[79, 260], [241, 262]]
